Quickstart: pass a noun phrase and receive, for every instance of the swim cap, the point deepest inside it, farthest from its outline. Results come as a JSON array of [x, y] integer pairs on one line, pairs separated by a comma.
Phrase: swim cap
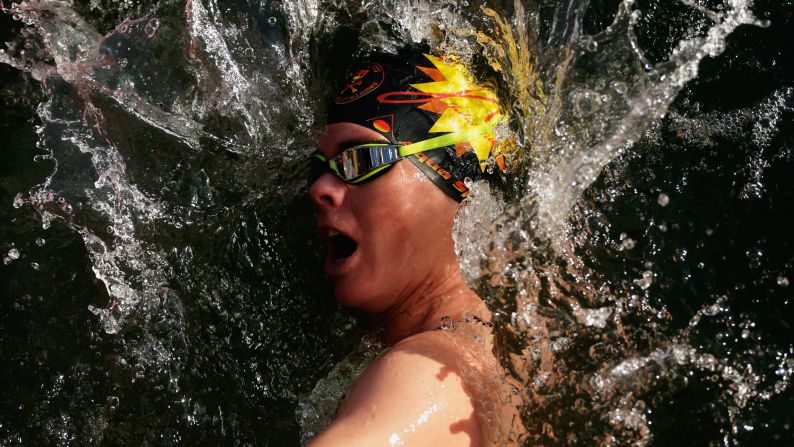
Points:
[[434, 106]]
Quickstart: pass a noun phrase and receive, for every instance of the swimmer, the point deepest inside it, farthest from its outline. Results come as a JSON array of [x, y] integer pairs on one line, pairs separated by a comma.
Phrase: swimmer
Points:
[[390, 167]]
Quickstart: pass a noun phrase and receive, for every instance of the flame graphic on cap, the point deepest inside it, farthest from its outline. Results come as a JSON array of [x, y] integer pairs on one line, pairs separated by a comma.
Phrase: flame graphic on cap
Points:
[[463, 105]]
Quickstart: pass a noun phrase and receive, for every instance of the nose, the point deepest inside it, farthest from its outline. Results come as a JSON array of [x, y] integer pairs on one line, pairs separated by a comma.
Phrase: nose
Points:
[[328, 191]]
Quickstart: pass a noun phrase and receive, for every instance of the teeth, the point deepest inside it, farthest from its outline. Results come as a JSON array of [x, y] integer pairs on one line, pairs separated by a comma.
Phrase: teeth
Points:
[[332, 233]]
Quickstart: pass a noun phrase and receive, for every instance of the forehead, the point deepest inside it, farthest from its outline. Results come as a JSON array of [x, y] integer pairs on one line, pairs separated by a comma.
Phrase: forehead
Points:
[[339, 136]]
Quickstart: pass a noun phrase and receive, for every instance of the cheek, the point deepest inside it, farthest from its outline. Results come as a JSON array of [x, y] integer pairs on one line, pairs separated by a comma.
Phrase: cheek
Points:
[[415, 219]]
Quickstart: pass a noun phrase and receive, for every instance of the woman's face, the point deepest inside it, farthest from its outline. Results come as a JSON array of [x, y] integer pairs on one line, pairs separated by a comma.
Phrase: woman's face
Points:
[[388, 238]]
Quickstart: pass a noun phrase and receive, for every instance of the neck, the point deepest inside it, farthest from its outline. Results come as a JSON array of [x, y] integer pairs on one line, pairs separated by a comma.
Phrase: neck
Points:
[[423, 308]]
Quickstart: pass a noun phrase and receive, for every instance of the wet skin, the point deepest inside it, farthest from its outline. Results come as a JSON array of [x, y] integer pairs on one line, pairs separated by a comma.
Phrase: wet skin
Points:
[[403, 272]]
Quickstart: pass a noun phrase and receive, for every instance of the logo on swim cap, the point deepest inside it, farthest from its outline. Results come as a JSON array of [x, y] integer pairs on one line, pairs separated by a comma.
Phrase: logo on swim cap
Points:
[[363, 82]]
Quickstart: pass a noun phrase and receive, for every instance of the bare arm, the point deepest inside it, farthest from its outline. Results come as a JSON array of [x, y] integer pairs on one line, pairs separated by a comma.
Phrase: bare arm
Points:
[[413, 395]]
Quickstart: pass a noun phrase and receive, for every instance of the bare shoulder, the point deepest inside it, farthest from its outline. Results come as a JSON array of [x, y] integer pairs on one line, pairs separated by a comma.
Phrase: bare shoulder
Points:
[[413, 395]]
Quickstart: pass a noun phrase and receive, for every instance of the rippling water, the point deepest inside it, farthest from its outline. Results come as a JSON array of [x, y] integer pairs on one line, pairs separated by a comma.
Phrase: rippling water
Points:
[[161, 281]]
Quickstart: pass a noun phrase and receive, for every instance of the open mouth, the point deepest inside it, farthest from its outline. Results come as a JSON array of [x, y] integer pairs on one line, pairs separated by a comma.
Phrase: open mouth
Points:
[[341, 246]]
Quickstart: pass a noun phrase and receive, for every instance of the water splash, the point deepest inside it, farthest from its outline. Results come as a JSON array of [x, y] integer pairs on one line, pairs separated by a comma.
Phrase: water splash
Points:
[[601, 96], [141, 126]]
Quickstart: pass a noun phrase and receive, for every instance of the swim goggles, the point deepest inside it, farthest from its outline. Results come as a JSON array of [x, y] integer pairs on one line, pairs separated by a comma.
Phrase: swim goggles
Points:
[[358, 163], [364, 162]]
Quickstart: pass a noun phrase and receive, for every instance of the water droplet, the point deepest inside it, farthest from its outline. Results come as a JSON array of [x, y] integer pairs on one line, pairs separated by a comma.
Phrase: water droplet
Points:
[[173, 384], [138, 372], [41, 357], [112, 403], [34, 265], [756, 256], [7, 260], [663, 228], [151, 27], [589, 44], [586, 103], [712, 310], [646, 280], [663, 199], [13, 254], [620, 87], [626, 243], [782, 281], [18, 201], [271, 20], [40, 241]]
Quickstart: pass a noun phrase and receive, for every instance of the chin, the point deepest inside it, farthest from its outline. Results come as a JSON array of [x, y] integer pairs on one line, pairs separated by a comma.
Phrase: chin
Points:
[[357, 296]]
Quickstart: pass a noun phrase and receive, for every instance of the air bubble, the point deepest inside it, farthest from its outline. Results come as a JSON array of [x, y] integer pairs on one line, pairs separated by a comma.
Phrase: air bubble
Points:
[[620, 87], [13, 254], [663, 200], [40, 242], [34, 265], [782, 281], [271, 20]]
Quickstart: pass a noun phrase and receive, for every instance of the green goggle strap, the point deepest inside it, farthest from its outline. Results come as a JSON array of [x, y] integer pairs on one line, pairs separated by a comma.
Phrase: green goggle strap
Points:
[[445, 140]]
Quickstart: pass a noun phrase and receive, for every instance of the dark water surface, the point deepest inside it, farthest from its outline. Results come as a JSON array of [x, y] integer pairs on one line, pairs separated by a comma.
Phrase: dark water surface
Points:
[[205, 324]]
